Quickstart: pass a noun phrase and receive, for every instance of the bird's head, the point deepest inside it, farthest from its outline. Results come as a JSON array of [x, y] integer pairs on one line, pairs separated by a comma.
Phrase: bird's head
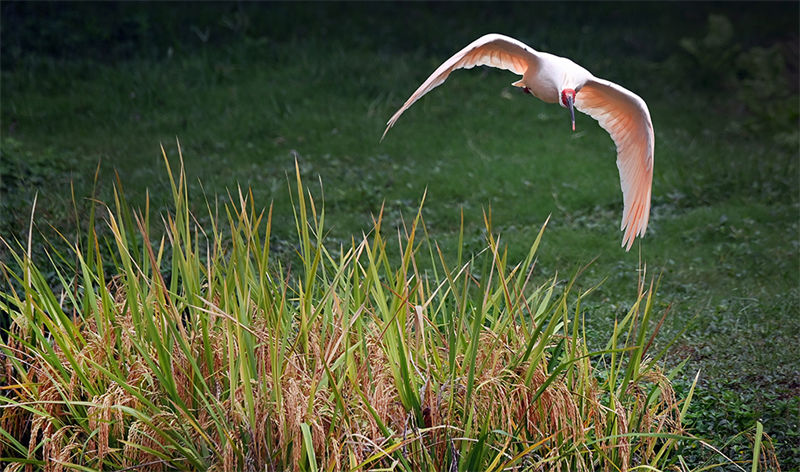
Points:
[[567, 100]]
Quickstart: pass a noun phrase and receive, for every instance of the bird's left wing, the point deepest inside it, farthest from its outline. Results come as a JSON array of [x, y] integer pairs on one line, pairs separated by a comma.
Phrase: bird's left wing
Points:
[[495, 50], [626, 118]]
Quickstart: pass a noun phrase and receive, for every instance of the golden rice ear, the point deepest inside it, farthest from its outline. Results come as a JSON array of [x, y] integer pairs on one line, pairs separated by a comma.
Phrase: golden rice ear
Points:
[[519, 83]]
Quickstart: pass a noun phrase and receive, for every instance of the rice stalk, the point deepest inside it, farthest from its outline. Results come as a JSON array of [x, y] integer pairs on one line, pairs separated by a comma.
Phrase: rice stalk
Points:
[[201, 350]]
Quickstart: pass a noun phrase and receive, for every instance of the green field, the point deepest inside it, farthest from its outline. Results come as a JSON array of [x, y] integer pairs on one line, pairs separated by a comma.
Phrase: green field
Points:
[[249, 89]]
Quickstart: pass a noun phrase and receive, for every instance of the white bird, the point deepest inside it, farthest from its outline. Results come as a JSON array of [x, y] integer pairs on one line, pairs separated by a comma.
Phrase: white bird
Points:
[[555, 79]]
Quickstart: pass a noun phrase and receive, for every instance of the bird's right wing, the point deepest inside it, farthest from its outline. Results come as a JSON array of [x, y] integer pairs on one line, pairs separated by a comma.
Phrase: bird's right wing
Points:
[[493, 50], [626, 118]]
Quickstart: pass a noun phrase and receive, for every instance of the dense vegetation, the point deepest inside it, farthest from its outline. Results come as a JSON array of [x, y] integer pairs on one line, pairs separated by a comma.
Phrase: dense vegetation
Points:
[[249, 88], [353, 360]]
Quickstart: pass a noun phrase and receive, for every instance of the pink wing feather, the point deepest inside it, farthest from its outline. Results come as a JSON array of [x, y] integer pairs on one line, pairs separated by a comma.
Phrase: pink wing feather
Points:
[[626, 118], [493, 50]]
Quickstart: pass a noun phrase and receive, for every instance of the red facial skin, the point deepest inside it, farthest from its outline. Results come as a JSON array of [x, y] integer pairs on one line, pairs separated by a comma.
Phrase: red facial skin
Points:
[[568, 101], [564, 94]]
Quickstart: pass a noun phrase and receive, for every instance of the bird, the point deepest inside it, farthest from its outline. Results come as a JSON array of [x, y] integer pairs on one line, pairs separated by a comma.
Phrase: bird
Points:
[[554, 79]]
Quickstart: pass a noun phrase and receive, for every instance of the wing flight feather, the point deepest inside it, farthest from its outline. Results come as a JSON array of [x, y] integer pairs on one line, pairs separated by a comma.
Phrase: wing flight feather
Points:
[[626, 118], [493, 50]]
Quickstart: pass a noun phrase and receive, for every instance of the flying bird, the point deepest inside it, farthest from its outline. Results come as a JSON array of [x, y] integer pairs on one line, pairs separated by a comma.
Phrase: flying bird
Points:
[[555, 79]]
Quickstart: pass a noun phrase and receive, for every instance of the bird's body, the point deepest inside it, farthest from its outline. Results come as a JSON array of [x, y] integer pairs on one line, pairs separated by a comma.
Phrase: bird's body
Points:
[[553, 75], [555, 79]]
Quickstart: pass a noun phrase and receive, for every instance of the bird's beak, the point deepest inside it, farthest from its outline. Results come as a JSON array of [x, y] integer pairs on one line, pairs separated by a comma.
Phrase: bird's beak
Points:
[[571, 107]]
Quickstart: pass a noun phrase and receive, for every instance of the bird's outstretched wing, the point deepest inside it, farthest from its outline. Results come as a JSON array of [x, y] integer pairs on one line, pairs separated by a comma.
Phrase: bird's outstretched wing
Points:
[[626, 118], [493, 50]]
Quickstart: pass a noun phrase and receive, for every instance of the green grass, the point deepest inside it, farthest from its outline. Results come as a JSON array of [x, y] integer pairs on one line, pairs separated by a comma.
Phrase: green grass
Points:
[[352, 359], [726, 215]]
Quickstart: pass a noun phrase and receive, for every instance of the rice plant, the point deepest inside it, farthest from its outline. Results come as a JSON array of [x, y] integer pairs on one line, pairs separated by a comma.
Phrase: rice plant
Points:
[[195, 348]]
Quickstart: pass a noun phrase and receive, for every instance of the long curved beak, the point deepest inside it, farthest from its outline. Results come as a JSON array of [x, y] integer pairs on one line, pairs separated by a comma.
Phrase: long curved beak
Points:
[[571, 107]]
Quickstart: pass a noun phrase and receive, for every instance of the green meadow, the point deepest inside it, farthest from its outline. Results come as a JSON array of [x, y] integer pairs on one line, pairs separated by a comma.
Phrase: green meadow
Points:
[[274, 112]]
